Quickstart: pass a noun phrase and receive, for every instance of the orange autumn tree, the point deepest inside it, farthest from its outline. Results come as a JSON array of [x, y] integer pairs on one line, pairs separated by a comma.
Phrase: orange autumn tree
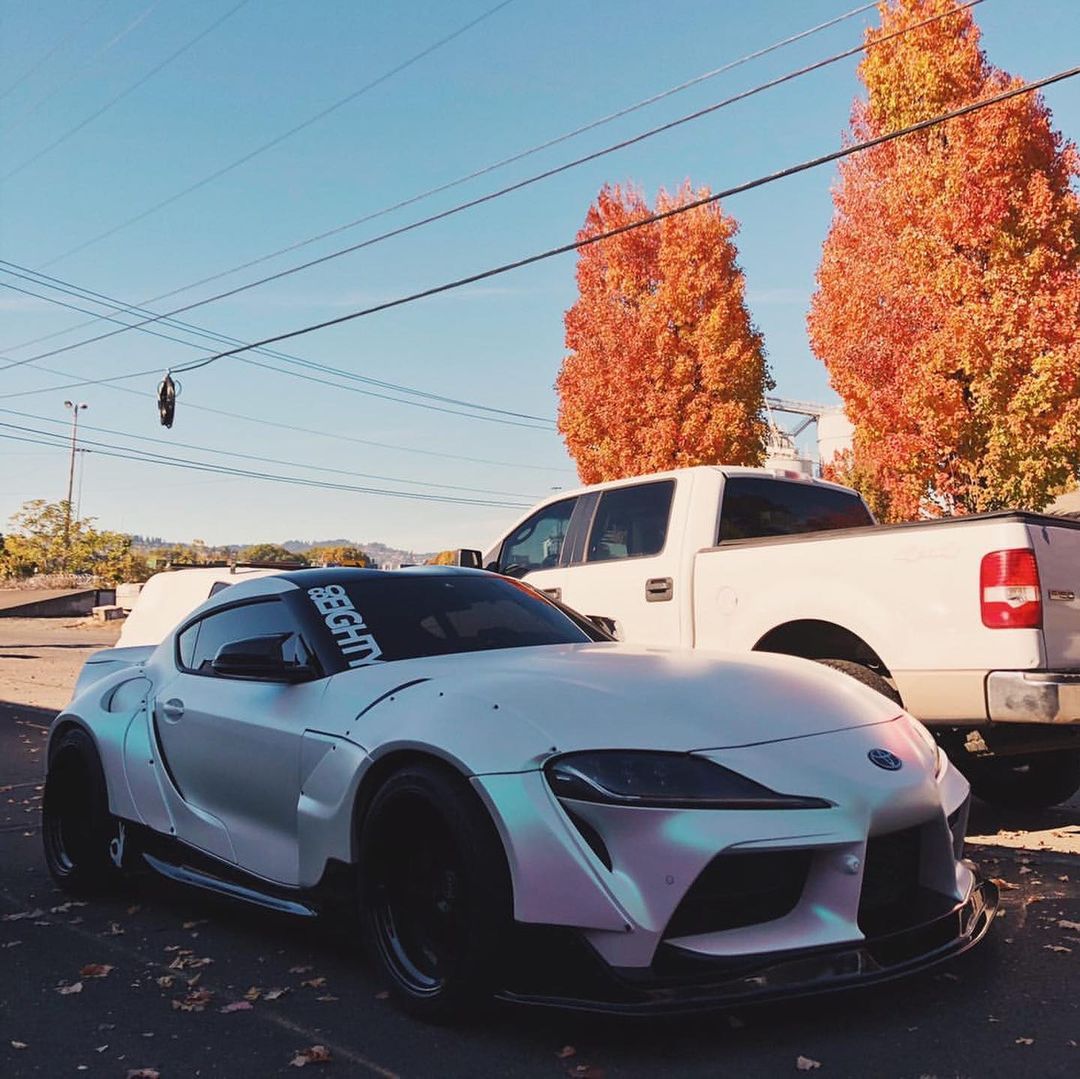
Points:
[[665, 368], [948, 301]]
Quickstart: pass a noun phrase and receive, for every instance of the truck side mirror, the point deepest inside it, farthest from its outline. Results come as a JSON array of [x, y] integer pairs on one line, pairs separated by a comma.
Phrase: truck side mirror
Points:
[[469, 558]]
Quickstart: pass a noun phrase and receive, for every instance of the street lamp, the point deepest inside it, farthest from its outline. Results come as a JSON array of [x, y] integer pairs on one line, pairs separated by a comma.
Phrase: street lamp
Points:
[[75, 408]]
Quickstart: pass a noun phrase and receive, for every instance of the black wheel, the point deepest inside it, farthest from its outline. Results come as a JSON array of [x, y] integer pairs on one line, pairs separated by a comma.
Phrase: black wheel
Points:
[[77, 828], [435, 892], [1033, 781], [866, 676]]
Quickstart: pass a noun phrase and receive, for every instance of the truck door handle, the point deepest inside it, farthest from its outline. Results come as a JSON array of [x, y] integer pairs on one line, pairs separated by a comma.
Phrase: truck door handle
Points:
[[658, 589], [553, 593], [172, 709]]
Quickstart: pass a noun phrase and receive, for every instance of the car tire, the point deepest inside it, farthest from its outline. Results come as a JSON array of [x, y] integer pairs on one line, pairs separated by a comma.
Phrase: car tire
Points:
[[866, 676], [1033, 781], [78, 831], [435, 895]]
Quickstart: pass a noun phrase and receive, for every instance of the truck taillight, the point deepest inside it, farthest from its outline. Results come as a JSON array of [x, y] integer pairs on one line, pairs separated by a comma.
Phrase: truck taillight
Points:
[[1009, 590]]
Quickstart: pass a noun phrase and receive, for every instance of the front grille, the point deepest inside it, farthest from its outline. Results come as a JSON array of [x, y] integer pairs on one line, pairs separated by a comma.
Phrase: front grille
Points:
[[890, 887], [736, 890]]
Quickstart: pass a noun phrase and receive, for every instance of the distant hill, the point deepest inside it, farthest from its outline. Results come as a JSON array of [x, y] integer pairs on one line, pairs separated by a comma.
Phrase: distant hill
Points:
[[379, 553]]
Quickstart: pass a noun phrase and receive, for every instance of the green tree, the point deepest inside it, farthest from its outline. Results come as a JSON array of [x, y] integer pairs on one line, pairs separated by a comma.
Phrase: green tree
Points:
[[41, 542], [339, 555], [269, 552]]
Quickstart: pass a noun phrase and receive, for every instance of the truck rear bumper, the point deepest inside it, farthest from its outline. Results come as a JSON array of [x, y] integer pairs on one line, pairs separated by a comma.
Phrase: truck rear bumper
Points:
[[1033, 697]]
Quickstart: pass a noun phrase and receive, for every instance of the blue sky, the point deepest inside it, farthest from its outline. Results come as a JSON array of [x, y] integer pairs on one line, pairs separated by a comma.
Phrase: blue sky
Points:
[[529, 72]]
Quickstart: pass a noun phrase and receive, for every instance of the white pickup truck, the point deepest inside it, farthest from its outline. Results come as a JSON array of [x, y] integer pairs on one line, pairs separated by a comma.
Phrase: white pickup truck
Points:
[[971, 623]]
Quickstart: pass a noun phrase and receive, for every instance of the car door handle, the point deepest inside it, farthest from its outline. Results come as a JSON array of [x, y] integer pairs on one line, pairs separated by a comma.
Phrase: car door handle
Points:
[[172, 709], [658, 589]]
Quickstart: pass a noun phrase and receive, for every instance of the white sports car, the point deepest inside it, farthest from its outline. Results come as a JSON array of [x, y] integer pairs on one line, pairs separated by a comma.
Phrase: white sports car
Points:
[[515, 804]]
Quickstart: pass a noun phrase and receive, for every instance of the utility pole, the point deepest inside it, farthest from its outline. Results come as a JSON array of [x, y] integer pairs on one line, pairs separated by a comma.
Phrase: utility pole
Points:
[[75, 407]]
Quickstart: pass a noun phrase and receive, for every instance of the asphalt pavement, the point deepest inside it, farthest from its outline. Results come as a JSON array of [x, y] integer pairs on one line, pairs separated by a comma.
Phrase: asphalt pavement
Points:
[[162, 978]]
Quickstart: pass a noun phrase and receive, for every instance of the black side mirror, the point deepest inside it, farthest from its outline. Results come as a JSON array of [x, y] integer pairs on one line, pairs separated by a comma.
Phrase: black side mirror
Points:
[[466, 557], [281, 657]]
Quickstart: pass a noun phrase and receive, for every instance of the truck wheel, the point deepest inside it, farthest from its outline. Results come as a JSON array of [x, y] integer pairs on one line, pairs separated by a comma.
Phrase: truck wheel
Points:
[[866, 676], [1033, 781], [77, 828]]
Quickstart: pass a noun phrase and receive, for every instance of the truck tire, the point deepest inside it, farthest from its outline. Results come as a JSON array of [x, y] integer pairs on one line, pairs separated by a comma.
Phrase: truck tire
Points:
[[1032, 781], [866, 676]]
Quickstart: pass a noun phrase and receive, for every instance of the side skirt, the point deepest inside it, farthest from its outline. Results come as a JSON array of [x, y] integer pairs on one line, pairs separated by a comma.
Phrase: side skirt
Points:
[[176, 861]]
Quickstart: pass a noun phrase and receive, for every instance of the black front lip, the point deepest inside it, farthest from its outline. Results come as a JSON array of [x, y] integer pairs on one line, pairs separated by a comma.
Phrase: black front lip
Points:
[[705, 984]]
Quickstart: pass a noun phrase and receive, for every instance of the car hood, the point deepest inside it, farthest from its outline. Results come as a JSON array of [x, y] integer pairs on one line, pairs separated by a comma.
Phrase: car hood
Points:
[[527, 702]]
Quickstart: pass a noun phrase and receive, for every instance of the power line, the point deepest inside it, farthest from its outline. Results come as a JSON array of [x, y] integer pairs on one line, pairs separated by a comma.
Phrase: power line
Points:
[[477, 173], [508, 189], [44, 59], [266, 460], [499, 414], [116, 99], [277, 140], [124, 453], [650, 219]]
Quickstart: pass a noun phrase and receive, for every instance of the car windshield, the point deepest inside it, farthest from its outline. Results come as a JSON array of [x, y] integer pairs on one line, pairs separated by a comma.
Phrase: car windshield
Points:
[[406, 616]]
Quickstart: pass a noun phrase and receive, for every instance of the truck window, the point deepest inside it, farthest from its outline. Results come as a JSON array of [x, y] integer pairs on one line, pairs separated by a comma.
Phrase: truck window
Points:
[[537, 543], [631, 522], [758, 506]]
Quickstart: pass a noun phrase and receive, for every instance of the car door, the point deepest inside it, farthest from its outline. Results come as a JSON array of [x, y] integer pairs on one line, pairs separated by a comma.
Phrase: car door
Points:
[[232, 745], [621, 570], [538, 547]]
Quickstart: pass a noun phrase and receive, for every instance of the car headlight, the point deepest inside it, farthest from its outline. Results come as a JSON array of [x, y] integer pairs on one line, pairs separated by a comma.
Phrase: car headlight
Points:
[[941, 761], [663, 780]]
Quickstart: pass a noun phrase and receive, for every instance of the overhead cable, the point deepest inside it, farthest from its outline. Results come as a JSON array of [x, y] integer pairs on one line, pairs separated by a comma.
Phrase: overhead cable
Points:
[[503, 191], [263, 459], [70, 289], [116, 99], [650, 219], [107, 450], [476, 173], [278, 139]]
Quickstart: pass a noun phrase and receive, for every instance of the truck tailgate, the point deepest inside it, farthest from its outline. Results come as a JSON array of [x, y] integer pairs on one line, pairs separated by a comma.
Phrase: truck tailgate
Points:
[[1057, 552]]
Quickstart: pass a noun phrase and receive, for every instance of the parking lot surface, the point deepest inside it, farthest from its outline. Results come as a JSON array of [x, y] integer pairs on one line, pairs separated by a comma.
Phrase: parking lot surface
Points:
[[168, 980]]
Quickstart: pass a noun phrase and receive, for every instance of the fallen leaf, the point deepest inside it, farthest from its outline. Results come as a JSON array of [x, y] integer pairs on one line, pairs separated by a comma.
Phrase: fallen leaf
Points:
[[11, 944], [327, 998], [237, 1006], [95, 970], [316, 1054], [1056, 948], [143, 1073], [165, 981], [114, 930], [314, 983], [19, 1045], [192, 925], [1064, 924], [1004, 885], [67, 990], [195, 1001], [300, 970], [382, 994], [274, 994], [566, 1051], [22, 914], [1026, 869], [100, 1048], [1025, 1041], [805, 1064], [253, 993]]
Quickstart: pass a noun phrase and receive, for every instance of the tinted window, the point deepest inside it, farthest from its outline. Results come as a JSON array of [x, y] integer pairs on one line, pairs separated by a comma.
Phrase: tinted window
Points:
[[537, 543], [756, 506], [403, 617], [233, 624], [631, 522]]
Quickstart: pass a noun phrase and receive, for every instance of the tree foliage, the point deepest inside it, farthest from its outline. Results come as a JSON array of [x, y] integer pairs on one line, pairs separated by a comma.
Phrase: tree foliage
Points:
[[41, 543], [948, 301], [336, 556], [665, 368], [268, 552]]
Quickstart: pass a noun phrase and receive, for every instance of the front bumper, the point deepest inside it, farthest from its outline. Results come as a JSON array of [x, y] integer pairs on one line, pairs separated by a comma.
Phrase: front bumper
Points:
[[1033, 697], [575, 977]]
